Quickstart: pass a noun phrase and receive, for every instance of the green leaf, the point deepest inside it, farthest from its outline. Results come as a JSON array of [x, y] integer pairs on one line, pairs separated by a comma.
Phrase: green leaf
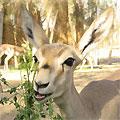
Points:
[[4, 81], [15, 99], [50, 109], [42, 115], [16, 105], [4, 100], [59, 117], [13, 90]]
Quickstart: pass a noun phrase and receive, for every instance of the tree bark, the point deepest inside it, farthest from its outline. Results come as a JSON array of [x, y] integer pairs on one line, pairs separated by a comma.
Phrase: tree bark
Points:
[[52, 30], [1, 26], [72, 19]]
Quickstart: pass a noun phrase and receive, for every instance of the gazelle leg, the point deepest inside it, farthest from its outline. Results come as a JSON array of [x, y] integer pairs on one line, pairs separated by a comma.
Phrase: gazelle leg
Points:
[[15, 61], [90, 61], [10, 55], [1, 54], [83, 63], [85, 60]]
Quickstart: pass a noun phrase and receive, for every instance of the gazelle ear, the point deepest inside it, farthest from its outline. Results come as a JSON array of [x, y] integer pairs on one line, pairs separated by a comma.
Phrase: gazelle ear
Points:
[[32, 29], [96, 32]]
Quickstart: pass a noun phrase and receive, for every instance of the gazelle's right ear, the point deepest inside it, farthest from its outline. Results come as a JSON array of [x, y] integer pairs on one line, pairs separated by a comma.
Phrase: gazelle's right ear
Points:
[[97, 31], [32, 29]]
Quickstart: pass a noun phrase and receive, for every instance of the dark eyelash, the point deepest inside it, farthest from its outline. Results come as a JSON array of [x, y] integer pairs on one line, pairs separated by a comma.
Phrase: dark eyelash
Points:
[[35, 59]]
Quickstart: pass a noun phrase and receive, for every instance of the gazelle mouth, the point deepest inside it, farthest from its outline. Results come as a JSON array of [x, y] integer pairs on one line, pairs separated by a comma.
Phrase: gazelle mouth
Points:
[[40, 97]]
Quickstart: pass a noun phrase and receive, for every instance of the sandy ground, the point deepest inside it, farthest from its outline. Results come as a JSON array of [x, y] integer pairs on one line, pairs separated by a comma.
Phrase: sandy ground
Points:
[[82, 78]]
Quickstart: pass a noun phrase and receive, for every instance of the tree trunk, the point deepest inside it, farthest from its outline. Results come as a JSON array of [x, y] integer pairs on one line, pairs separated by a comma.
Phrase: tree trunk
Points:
[[1, 90], [1, 26], [47, 21], [52, 30], [72, 19]]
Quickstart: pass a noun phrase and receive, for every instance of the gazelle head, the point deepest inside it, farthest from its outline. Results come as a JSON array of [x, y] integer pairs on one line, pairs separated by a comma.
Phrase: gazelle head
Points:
[[56, 62], [52, 73]]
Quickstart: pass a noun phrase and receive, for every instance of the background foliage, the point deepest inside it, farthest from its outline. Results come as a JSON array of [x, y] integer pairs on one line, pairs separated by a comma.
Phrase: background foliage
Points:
[[72, 18], [63, 21]]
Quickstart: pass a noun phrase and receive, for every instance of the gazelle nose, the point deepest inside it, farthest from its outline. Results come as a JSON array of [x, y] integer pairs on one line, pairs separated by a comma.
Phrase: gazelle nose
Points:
[[40, 85]]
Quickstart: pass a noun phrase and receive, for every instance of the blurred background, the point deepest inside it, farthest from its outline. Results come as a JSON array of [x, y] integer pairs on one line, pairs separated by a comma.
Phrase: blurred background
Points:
[[63, 21]]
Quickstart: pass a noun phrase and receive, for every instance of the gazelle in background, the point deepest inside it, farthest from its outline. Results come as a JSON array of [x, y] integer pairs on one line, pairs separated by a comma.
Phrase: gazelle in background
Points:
[[56, 64], [87, 58], [91, 58], [10, 51]]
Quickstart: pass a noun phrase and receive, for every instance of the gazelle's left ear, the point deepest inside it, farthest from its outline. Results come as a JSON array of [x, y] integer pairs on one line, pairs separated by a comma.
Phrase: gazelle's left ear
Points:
[[96, 32], [32, 29]]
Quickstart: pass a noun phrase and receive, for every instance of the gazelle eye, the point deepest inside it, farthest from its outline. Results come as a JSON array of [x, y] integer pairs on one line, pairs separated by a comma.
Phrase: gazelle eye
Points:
[[45, 66], [35, 59], [69, 61]]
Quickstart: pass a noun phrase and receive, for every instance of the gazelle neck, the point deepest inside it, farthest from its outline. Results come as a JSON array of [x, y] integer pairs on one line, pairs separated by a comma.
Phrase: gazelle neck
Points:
[[70, 105]]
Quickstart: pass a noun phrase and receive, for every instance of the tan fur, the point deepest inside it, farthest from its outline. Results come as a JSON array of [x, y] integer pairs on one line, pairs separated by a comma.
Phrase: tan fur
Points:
[[10, 51], [97, 99]]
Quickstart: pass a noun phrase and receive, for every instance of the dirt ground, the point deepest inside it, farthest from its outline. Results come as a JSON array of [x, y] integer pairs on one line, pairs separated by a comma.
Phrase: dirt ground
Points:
[[81, 79]]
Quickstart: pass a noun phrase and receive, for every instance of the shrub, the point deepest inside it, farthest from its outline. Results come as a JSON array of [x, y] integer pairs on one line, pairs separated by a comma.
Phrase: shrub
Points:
[[22, 96]]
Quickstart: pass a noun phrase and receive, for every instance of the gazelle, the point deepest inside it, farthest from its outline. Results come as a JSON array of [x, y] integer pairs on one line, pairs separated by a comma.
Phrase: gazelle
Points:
[[10, 51], [87, 58], [56, 64]]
